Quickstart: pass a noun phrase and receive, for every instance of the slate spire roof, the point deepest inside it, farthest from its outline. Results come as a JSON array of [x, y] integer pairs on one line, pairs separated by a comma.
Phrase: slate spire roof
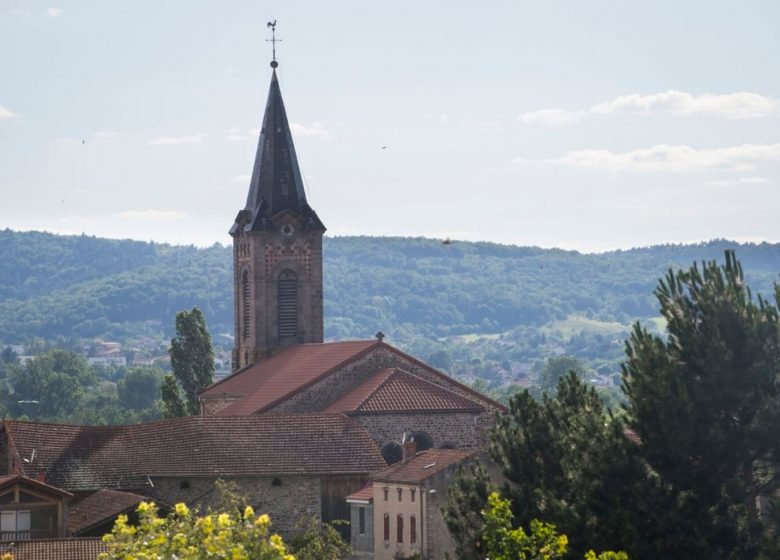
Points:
[[276, 183]]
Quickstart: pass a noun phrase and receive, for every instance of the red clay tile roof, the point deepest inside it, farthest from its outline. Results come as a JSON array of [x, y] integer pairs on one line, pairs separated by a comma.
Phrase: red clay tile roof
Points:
[[421, 466], [55, 549], [365, 494], [290, 370], [99, 507], [122, 457], [394, 390]]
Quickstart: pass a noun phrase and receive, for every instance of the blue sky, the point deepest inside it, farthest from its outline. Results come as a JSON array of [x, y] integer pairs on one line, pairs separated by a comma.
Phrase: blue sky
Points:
[[588, 125]]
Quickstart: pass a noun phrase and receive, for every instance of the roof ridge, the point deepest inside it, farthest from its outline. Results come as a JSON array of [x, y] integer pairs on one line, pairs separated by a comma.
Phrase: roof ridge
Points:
[[452, 380], [323, 375], [247, 367]]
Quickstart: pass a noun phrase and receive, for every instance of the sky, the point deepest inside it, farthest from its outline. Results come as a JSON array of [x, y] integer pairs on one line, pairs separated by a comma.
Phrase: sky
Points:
[[584, 124]]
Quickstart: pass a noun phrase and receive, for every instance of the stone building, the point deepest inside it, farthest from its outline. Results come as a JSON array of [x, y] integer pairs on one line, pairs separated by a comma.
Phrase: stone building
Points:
[[280, 360], [378, 386], [290, 466], [277, 248]]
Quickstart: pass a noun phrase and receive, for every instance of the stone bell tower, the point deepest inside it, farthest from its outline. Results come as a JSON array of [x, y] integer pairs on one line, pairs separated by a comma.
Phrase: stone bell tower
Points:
[[277, 248]]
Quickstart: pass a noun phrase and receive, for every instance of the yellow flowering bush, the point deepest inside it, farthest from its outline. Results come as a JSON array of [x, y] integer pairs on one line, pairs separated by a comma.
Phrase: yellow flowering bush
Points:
[[542, 543], [183, 535]]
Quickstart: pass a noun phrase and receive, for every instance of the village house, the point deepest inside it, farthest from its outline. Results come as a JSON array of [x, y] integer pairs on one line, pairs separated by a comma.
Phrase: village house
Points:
[[291, 466]]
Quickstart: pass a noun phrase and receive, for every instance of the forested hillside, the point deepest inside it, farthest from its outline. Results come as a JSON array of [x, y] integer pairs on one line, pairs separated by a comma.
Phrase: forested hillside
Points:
[[473, 308]]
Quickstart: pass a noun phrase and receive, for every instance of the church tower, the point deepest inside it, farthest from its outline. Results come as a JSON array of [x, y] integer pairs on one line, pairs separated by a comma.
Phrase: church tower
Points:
[[277, 248]]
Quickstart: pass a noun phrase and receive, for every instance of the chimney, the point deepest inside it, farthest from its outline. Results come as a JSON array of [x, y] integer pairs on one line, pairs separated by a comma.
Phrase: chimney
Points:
[[41, 475], [409, 449]]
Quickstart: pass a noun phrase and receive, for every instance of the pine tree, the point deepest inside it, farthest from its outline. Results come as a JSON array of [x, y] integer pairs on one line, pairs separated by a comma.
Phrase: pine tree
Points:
[[173, 404], [705, 402]]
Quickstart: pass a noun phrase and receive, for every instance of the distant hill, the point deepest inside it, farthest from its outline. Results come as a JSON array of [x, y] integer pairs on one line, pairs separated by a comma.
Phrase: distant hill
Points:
[[426, 296]]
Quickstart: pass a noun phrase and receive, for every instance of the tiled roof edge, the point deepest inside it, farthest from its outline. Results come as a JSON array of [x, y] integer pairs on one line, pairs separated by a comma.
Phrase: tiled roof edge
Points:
[[317, 379]]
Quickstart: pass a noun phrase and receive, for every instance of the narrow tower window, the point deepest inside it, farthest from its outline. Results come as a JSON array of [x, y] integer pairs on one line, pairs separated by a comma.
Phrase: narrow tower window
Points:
[[288, 304], [246, 301]]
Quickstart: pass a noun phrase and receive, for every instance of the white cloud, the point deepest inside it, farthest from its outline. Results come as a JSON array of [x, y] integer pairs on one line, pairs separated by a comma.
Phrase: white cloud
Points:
[[670, 158], [54, 12], [241, 179], [171, 140], [151, 215], [739, 181], [551, 117], [69, 140], [314, 130], [6, 113], [109, 134], [739, 105]]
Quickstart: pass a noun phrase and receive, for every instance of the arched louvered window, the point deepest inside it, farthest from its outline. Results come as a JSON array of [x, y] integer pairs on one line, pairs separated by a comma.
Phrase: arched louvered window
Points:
[[246, 302], [287, 304]]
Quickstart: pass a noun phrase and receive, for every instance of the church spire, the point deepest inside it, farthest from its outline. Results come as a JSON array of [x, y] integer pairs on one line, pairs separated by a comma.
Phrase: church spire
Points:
[[276, 183], [277, 247]]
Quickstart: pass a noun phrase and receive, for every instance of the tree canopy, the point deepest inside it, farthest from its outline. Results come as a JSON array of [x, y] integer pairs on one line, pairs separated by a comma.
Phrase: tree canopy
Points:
[[691, 469], [192, 360]]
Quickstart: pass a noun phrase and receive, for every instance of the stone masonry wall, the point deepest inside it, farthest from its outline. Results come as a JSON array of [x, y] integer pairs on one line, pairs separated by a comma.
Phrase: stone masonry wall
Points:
[[318, 396], [459, 429], [296, 498], [210, 406]]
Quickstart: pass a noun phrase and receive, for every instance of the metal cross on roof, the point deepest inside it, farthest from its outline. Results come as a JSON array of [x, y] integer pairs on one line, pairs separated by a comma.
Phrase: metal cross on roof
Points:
[[273, 40]]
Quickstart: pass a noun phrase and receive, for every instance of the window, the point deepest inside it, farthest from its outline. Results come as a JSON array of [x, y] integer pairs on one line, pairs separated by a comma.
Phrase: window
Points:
[[362, 520], [15, 521], [412, 492], [387, 493], [184, 485], [412, 530], [387, 527], [399, 528], [247, 302], [400, 494], [287, 302]]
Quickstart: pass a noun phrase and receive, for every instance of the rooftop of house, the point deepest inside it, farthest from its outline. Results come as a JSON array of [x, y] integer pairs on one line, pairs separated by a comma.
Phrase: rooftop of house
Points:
[[268, 382], [11, 480], [100, 506], [363, 496], [55, 549], [395, 390], [125, 457], [422, 466]]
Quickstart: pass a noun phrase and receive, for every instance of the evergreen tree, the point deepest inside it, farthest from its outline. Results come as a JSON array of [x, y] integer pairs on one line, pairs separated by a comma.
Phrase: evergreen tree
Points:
[[705, 402], [468, 496], [192, 358]]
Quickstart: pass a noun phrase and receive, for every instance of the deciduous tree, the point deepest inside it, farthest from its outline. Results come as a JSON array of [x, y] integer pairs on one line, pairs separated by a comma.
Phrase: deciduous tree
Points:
[[192, 357]]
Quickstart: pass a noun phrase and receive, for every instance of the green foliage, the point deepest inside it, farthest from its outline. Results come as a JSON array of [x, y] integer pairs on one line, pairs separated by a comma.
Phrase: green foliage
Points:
[[192, 358], [173, 403], [706, 403], [60, 386], [140, 387], [314, 540], [558, 367], [184, 535], [507, 306], [467, 497], [542, 542]]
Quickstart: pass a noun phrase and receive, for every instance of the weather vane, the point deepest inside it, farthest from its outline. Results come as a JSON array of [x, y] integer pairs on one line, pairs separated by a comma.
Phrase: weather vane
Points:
[[273, 40]]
